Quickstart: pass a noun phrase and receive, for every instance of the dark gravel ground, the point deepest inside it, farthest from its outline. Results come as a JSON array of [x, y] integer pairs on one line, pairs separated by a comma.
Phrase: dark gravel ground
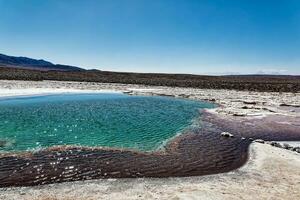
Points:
[[267, 83]]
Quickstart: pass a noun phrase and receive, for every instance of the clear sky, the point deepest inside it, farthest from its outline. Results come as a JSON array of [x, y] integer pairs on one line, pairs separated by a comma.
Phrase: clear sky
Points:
[[177, 36]]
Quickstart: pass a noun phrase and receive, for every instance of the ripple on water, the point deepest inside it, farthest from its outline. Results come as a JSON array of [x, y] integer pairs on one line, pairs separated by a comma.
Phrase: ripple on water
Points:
[[109, 120]]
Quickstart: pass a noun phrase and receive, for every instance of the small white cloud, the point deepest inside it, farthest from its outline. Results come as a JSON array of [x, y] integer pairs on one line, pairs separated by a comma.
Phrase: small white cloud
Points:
[[273, 71]]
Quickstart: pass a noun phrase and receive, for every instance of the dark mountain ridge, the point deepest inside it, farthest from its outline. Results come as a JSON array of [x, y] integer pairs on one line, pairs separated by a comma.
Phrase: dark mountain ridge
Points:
[[33, 64], [23, 61]]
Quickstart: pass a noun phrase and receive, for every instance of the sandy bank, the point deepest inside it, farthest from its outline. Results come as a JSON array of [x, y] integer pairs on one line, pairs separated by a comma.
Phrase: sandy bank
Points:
[[270, 173]]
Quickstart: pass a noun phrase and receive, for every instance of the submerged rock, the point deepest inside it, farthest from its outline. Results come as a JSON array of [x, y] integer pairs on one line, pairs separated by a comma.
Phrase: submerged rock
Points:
[[3, 143], [226, 134]]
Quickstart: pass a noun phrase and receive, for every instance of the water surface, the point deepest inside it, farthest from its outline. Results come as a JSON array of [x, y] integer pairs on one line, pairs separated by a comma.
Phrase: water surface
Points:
[[108, 120]]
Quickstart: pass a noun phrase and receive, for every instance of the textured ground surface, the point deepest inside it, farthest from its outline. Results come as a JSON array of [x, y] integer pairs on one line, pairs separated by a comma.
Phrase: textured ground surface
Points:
[[270, 173]]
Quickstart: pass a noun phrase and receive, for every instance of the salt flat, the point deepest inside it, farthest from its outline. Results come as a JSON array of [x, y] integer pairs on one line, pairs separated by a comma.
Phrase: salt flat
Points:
[[270, 172], [232, 102]]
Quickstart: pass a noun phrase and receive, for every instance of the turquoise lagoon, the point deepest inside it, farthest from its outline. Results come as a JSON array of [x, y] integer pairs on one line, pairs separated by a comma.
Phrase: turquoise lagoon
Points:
[[107, 120]]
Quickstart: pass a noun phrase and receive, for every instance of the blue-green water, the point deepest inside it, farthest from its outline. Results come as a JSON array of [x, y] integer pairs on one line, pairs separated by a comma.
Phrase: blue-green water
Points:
[[108, 120]]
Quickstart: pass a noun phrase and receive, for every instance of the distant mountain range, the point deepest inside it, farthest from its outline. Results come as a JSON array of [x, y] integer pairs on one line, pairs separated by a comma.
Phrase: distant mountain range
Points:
[[22, 68], [34, 64]]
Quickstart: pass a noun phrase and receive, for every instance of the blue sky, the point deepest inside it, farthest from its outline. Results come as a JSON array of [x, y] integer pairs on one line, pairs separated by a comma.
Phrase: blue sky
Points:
[[177, 36]]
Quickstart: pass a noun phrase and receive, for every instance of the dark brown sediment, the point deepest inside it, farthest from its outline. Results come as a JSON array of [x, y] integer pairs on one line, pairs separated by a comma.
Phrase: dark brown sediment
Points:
[[200, 152], [271, 127]]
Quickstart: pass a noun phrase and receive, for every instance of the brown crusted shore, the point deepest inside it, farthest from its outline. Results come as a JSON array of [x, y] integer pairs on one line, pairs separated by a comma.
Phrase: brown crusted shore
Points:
[[201, 152]]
